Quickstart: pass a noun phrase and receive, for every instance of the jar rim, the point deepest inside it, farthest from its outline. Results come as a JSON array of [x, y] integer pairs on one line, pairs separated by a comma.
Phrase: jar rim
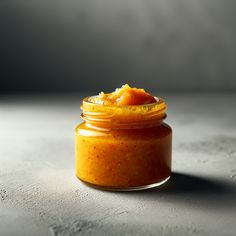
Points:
[[117, 117], [158, 101]]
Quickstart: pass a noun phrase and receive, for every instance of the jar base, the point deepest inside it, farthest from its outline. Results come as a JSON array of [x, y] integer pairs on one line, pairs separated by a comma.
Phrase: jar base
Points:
[[125, 189]]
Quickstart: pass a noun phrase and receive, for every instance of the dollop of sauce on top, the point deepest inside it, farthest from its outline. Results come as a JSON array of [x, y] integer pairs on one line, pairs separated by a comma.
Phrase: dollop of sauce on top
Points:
[[124, 96]]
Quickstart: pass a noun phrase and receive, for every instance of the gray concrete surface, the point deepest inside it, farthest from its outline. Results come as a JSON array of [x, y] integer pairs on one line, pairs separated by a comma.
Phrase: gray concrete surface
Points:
[[39, 194]]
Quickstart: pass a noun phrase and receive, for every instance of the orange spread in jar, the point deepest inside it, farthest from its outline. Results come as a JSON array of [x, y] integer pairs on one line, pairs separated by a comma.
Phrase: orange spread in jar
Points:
[[124, 96], [123, 142]]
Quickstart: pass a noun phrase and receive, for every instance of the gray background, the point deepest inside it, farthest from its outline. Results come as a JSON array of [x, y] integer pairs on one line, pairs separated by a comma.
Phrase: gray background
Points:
[[93, 45]]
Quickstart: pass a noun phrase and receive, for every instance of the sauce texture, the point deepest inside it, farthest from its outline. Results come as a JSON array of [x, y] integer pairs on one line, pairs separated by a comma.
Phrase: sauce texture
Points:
[[124, 96]]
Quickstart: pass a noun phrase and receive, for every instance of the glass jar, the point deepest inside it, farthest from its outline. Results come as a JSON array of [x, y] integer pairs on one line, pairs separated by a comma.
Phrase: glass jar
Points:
[[123, 148]]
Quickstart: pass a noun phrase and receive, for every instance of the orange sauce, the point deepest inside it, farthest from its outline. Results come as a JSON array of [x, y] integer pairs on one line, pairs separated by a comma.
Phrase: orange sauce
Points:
[[123, 142], [125, 96]]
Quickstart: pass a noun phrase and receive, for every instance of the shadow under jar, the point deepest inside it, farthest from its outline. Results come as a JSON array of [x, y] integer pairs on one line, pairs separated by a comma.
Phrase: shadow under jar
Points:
[[123, 148]]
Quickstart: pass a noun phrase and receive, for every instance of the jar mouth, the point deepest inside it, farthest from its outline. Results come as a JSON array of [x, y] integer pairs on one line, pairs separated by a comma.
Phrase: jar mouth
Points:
[[88, 100], [123, 117]]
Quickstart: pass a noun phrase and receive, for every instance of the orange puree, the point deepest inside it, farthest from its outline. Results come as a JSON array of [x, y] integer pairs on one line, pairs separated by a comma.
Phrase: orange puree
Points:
[[125, 96], [123, 143]]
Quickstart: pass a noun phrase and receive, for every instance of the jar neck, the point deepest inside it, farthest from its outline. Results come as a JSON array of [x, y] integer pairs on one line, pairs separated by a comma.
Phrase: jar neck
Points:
[[103, 117]]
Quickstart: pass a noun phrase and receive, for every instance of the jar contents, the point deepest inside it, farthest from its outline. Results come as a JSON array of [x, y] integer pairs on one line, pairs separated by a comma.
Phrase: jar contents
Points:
[[123, 143], [124, 96]]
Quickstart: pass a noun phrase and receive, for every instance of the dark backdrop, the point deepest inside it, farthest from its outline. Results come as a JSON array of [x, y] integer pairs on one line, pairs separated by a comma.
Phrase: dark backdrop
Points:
[[93, 45]]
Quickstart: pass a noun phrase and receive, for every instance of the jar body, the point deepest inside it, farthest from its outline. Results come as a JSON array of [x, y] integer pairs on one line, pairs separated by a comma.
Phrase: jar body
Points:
[[123, 159]]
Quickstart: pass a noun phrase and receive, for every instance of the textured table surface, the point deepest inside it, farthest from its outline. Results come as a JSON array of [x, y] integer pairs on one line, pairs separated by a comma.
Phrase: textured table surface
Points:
[[39, 194]]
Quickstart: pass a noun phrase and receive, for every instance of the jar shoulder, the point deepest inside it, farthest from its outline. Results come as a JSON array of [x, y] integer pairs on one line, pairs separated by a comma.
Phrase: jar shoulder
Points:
[[166, 127], [152, 132]]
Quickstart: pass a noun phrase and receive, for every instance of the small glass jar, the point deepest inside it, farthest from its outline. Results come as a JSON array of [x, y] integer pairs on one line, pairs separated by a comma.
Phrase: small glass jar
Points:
[[123, 148]]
